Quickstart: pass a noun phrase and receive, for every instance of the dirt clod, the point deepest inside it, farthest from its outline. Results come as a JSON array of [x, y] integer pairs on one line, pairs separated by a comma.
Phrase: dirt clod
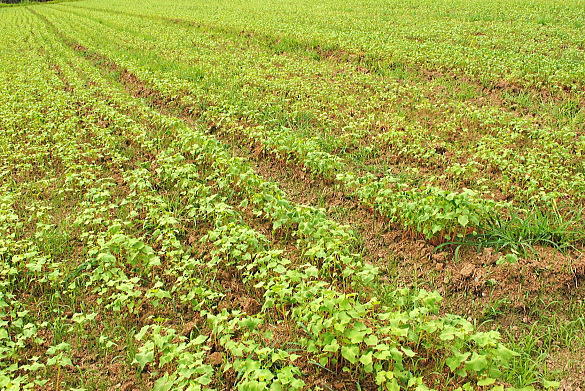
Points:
[[216, 358], [467, 270]]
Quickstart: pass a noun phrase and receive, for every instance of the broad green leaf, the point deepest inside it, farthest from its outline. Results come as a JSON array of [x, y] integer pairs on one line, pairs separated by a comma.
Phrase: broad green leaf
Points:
[[366, 359], [350, 353], [463, 220], [550, 384], [253, 385], [477, 363], [486, 381], [143, 358], [163, 384], [371, 340], [332, 347]]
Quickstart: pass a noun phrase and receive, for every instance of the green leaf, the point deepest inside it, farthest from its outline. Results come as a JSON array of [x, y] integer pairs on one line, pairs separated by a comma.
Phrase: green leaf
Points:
[[332, 347], [350, 353], [371, 340], [162, 384], [486, 381], [512, 258], [205, 380], [297, 384], [366, 359], [477, 363], [550, 384], [455, 361], [144, 358], [253, 385], [106, 258], [505, 354], [408, 352], [392, 385], [66, 361], [463, 220], [357, 333]]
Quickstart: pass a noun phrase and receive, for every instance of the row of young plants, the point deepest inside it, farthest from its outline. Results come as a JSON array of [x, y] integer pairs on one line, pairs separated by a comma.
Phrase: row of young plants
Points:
[[447, 213], [45, 147], [458, 117], [545, 150], [136, 182], [535, 46], [441, 219], [295, 290], [337, 324]]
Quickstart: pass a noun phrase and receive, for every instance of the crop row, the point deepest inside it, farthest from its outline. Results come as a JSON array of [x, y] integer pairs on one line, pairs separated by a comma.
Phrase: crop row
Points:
[[543, 161], [546, 168], [534, 45]]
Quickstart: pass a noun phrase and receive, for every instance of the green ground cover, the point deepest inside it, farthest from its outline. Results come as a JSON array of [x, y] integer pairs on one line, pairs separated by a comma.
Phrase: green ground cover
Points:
[[288, 195]]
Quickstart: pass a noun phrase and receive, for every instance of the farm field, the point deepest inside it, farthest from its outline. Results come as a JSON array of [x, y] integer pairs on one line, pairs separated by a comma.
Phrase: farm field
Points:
[[284, 195]]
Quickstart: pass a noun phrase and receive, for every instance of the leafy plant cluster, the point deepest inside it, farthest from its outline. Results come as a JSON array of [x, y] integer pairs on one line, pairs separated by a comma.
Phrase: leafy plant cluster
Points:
[[430, 211]]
